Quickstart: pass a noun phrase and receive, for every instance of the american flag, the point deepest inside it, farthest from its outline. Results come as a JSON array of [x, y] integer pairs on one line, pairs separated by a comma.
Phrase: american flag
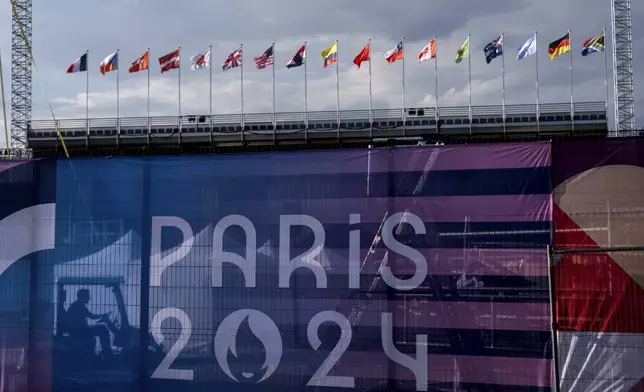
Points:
[[233, 60], [265, 59]]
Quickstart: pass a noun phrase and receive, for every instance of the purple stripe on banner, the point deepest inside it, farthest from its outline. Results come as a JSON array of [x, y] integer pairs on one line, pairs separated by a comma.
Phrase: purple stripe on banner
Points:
[[453, 369], [501, 208], [436, 314], [473, 262]]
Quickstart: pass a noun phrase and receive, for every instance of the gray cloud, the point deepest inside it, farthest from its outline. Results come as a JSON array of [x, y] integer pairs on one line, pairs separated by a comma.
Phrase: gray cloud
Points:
[[62, 33]]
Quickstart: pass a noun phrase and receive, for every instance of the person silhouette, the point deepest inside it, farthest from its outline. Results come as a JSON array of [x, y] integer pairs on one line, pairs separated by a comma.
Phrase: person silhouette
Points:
[[77, 316]]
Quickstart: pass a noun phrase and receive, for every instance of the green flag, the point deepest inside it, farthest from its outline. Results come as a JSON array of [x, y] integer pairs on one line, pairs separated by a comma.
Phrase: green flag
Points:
[[464, 51]]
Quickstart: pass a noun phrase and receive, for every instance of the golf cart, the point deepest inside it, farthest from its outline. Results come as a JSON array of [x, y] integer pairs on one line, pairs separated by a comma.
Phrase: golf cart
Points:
[[76, 357]]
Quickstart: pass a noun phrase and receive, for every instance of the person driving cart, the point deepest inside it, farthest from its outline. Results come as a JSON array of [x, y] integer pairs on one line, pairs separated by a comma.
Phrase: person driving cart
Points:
[[79, 328]]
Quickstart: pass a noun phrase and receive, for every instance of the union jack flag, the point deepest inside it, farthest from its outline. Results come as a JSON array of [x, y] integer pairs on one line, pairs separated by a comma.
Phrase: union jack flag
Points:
[[233, 60]]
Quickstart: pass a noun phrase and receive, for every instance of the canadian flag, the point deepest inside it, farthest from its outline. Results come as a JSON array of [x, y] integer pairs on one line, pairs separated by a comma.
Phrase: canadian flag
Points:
[[169, 61]]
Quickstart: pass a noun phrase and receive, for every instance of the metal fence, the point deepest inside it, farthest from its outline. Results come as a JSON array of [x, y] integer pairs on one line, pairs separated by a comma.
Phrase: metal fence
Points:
[[598, 313], [520, 110]]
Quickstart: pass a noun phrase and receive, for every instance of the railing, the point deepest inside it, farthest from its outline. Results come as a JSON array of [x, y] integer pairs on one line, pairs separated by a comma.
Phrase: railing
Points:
[[495, 111]]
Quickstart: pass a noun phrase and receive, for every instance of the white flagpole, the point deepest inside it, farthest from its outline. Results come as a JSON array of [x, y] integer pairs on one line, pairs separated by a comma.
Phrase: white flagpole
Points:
[[337, 82], [306, 101], [469, 61], [242, 86], [436, 79], [179, 79], [87, 90], [503, 79], [274, 112], [536, 61], [404, 112], [606, 72], [148, 55], [370, 96], [572, 97], [118, 73], [210, 89]]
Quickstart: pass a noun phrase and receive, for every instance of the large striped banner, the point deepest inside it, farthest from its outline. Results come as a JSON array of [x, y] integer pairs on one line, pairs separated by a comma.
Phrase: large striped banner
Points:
[[420, 269]]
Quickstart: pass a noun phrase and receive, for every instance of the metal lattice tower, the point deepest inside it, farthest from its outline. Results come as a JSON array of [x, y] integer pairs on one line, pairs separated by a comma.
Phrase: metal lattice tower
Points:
[[20, 72], [624, 87]]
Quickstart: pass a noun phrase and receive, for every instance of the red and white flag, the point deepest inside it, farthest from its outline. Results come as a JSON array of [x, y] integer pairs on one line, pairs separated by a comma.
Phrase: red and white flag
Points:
[[169, 61], [140, 64], [395, 53], [202, 60], [265, 59], [428, 52]]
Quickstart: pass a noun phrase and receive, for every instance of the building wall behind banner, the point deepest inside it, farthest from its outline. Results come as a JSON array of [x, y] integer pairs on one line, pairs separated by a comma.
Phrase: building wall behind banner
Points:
[[248, 269], [599, 204]]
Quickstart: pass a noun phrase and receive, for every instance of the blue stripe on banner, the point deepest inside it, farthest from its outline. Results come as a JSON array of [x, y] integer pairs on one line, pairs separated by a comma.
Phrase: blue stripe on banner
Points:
[[295, 382], [354, 185]]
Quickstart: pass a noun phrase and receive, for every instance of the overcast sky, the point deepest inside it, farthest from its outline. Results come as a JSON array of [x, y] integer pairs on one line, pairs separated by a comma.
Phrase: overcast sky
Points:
[[64, 29]]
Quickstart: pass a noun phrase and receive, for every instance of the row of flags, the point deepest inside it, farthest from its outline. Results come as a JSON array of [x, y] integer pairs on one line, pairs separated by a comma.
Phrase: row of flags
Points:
[[330, 55]]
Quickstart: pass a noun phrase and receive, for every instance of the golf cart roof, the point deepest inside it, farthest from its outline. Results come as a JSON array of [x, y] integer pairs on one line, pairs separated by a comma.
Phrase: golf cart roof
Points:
[[91, 280]]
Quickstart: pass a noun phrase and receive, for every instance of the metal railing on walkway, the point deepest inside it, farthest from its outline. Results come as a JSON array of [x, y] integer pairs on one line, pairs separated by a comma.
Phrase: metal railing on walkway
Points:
[[512, 112]]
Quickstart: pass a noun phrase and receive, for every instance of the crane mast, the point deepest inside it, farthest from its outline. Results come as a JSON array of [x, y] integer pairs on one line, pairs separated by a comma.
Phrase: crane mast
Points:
[[20, 72], [623, 85]]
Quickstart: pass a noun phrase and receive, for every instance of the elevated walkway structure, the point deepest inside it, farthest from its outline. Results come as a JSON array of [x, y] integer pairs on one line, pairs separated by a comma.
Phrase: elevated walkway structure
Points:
[[294, 130]]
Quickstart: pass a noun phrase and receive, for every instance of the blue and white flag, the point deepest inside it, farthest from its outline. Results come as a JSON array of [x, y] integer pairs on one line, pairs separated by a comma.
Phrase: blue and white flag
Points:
[[529, 48]]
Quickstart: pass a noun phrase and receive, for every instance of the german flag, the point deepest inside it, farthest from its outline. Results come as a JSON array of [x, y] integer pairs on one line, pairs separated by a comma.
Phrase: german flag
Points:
[[559, 47]]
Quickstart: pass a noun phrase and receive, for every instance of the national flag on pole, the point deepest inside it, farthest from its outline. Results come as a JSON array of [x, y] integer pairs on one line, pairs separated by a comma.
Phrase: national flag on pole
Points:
[[594, 44], [559, 47], [80, 65], [493, 49], [298, 59], [364, 55], [233, 60], [464, 51], [395, 54], [169, 61], [428, 52], [529, 48], [330, 55], [201, 60], [140, 64], [110, 63], [265, 59]]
